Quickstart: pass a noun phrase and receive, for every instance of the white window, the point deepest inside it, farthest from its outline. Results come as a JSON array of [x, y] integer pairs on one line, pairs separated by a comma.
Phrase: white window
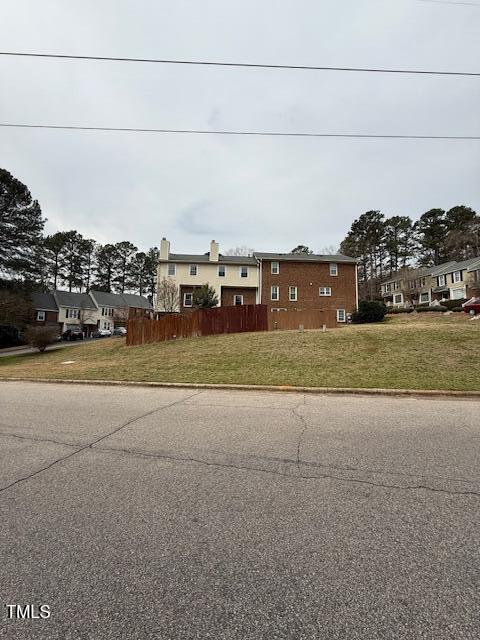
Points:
[[274, 295], [341, 316], [172, 269], [333, 269], [457, 276], [275, 268], [71, 313], [424, 297], [398, 298], [222, 270], [244, 272], [441, 281], [40, 316], [188, 299], [292, 294], [193, 269], [325, 291], [237, 300]]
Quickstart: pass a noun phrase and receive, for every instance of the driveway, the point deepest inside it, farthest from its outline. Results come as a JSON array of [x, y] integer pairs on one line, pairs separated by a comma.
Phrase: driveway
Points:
[[181, 514]]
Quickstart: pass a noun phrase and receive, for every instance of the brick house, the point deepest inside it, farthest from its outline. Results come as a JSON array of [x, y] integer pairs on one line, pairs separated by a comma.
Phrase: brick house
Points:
[[45, 310], [296, 282], [279, 280]]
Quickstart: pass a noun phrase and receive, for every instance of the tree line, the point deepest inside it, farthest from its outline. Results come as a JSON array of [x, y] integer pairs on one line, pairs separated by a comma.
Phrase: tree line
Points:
[[30, 260], [385, 246]]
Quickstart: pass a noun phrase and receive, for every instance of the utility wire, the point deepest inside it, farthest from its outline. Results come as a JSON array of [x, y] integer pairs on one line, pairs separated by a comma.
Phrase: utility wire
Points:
[[246, 65], [241, 133], [469, 4]]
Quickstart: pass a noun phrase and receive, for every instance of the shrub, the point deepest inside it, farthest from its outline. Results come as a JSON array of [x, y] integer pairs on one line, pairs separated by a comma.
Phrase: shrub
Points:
[[457, 309], [399, 310], [205, 297], [41, 337], [439, 308], [369, 311], [453, 304]]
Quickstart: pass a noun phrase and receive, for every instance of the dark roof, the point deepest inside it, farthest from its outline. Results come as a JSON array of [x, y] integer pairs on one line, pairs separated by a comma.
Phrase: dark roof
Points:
[[134, 300], [106, 299], [304, 257], [44, 302], [412, 273], [450, 267], [205, 258], [71, 299]]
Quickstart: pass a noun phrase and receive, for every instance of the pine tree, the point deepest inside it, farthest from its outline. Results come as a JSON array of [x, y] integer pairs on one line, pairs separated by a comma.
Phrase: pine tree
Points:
[[21, 226], [125, 252], [105, 267], [205, 297], [431, 230]]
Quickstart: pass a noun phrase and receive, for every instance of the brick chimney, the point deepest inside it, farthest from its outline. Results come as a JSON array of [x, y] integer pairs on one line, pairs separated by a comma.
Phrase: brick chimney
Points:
[[214, 250], [164, 249]]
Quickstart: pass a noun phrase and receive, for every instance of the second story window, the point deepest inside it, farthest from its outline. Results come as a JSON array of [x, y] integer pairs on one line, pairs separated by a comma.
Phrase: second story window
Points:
[[325, 291], [333, 269], [244, 272], [457, 276], [40, 316], [292, 294], [172, 269], [221, 270], [441, 281], [275, 268], [274, 293], [193, 270]]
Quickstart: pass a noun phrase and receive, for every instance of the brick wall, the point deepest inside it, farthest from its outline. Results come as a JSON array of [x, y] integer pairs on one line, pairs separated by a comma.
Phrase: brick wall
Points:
[[308, 277], [228, 293]]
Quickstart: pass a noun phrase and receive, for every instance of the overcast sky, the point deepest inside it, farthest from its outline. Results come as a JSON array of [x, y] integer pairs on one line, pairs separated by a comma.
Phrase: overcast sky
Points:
[[266, 193]]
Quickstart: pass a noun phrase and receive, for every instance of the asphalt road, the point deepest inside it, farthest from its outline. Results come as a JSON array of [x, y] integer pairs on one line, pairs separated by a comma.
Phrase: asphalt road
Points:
[[21, 351], [180, 514]]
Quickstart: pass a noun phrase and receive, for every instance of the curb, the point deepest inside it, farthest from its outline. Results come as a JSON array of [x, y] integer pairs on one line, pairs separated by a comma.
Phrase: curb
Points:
[[428, 393]]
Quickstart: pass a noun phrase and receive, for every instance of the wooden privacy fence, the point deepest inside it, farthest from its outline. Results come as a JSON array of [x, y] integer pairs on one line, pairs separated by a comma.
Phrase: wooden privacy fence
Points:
[[203, 322], [308, 319]]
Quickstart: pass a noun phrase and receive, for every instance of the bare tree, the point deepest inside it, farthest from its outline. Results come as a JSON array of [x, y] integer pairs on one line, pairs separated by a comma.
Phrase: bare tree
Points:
[[120, 316], [331, 250], [86, 316], [240, 251], [167, 295]]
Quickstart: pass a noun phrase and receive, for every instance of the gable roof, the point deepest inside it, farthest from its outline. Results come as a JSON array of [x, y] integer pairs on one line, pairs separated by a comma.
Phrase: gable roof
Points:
[[205, 258], [72, 299], [107, 299], [304, 257], [456, 266], [418, 272], [43, 302]]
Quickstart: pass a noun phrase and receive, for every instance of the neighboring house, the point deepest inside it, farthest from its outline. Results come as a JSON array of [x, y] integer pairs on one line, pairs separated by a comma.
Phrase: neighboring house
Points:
[[76, 310], [426, 285], [458, 280], [89, 311], [113, 308], [301, 282], [278, 280], [234, 278], [45, 310]]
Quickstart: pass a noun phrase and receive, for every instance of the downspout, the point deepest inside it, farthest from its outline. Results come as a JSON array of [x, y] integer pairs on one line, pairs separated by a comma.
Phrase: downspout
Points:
[[259, 296], [356, 283]]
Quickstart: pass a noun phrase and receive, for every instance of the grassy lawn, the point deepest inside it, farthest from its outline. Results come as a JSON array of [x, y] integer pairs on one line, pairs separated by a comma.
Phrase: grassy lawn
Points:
[[441, 352]]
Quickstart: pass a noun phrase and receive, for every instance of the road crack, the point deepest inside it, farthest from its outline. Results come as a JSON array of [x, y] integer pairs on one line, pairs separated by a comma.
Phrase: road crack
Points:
[[94, 442]]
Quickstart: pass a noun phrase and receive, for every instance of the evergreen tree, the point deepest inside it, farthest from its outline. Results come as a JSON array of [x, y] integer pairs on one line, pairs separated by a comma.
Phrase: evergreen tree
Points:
[[204, 297], [301, 248], [431, 230], [105, 267], [399, 242], [21, 226], [124, 252], [151, 265], [463, 233]]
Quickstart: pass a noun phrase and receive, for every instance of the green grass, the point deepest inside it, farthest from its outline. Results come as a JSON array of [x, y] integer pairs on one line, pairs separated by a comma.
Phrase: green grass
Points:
[[403, 352]]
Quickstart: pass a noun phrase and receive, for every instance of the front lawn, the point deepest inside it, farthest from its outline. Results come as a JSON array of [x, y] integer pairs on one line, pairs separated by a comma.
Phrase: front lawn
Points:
[[403, 352]]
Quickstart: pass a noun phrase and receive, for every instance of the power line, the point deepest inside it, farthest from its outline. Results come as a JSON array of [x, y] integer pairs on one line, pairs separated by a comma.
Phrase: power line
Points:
[[246, 65], [240, 133], [469, 4]]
